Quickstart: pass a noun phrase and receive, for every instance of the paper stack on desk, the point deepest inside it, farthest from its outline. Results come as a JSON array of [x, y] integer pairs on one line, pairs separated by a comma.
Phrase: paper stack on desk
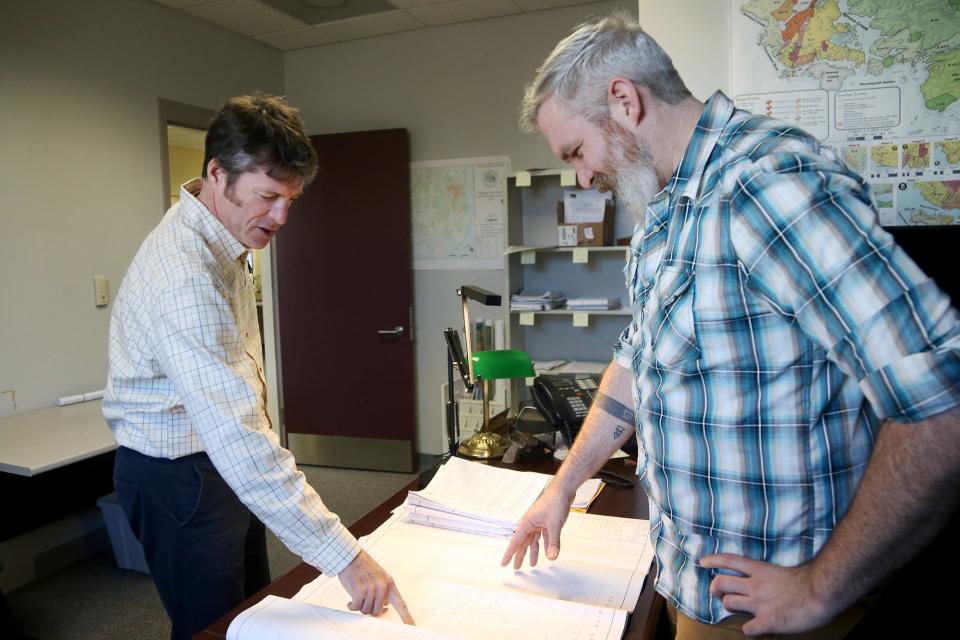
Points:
[[468, 496], [454, 585], [475, 498]]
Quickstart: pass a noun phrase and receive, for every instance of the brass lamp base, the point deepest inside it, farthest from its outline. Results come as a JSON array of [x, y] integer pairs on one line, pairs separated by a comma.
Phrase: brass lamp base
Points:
[[484, 444]]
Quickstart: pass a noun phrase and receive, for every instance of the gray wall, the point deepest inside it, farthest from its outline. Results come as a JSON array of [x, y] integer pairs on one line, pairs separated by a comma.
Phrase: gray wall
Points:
[[456, 89], [80, 169]]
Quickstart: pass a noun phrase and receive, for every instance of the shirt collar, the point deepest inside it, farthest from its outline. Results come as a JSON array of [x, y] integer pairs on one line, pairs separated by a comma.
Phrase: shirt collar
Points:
[[197, 216], [685, 181]]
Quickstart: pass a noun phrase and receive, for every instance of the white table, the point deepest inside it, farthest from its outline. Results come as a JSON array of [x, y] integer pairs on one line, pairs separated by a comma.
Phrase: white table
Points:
[[45, 439]]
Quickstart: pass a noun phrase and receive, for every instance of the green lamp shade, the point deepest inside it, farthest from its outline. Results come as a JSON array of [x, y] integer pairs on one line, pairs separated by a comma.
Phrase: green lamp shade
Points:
[[506, 363]]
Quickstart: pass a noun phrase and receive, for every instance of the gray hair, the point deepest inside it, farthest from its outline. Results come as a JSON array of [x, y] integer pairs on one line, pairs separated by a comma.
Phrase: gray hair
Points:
[[581, 65]]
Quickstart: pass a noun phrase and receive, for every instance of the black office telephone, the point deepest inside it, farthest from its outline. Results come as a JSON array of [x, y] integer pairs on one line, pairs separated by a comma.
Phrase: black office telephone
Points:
[[564, 400]]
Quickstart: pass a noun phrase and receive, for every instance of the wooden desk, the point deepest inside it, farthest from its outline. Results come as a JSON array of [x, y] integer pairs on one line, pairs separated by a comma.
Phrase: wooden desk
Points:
[[626, 503]]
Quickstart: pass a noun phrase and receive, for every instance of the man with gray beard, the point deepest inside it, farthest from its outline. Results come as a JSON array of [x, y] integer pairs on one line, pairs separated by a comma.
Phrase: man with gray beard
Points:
[[790, 374]]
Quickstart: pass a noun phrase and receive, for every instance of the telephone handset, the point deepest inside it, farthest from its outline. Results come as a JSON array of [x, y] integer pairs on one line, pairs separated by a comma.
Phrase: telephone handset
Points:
[[565, 400]]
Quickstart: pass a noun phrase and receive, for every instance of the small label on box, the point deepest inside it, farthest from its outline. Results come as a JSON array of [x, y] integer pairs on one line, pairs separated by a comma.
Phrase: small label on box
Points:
[[568, 235], [588, 233]]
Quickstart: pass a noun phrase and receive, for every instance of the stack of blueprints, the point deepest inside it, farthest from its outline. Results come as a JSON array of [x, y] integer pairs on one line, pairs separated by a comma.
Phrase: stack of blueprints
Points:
[[453, 583], [475, 498], [466, 496]]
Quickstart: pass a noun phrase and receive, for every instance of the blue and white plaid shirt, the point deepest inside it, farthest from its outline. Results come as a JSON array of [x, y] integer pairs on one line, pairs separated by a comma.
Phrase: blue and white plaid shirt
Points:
[[775, 326]]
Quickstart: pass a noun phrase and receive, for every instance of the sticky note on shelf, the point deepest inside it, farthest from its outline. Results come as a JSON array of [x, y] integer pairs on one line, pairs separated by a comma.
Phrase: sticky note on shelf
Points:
[[528, 257], [581, 319], [581, 254], [523, 178], [526, 318], [568, 177]]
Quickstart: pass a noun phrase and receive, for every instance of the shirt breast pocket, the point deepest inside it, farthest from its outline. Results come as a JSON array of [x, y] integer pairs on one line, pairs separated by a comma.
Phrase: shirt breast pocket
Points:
[[674, 337]]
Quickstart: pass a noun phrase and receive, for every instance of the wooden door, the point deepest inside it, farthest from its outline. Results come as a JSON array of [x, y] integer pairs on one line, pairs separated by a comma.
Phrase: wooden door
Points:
[[343, 280]]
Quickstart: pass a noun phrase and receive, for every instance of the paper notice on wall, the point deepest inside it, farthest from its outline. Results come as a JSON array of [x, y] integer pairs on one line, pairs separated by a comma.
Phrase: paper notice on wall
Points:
[[459, 210]]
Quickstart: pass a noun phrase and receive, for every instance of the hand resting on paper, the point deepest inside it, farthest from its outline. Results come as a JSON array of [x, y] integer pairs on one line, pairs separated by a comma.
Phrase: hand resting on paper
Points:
[[371, 588], [544, 518]]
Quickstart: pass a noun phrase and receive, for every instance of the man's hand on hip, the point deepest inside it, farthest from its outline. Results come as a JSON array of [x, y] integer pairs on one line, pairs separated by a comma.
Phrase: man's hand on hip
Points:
[[371, 588], [780, 599]]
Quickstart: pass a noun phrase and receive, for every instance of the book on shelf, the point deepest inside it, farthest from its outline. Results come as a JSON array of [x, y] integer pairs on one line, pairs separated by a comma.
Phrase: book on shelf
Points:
[[454, 586]]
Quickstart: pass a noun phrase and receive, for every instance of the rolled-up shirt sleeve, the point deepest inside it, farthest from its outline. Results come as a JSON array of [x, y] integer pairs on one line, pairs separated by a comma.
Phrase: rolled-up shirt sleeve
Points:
[[197, 345], [809, 243], [623, 348]]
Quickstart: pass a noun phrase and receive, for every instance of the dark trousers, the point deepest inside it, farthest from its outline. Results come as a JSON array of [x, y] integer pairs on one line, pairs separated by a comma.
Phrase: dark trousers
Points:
[[206, 551]]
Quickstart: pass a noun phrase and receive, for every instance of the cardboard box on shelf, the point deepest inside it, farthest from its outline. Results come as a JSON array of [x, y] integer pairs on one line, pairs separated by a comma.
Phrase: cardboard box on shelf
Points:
[[591, 234]]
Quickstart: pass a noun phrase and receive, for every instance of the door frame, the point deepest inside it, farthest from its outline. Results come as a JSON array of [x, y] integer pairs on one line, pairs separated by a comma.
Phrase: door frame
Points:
[[187, 115]]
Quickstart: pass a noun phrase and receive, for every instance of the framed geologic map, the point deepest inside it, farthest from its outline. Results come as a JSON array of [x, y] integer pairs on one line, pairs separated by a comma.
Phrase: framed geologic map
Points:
[[876, 80]]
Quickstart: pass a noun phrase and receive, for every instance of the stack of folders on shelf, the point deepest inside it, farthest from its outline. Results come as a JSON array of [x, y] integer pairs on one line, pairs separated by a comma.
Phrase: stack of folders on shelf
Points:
[[537, 300], [454, 586], [593, 304]]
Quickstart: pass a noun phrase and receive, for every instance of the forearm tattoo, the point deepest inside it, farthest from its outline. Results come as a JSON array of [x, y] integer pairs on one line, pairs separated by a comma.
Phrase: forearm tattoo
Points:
[[616, 410]]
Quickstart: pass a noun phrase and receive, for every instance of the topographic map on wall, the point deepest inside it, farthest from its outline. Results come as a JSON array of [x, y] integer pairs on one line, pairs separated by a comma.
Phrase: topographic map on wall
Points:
[[876, 80], [458, 209]]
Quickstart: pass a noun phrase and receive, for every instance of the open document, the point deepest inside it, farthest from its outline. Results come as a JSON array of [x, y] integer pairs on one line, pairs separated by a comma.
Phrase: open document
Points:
[[275, 618], [454, 586], [453, 582]]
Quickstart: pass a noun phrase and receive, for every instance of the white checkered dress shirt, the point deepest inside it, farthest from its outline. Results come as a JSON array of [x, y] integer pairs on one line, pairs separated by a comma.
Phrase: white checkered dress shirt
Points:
[[186, 376]]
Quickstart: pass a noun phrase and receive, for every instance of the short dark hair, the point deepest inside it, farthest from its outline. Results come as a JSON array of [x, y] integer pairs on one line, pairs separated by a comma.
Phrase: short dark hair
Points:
[[256, 132]]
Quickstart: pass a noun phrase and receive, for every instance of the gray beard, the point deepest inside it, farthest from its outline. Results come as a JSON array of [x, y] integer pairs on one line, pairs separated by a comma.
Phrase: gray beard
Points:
[[632, 176]]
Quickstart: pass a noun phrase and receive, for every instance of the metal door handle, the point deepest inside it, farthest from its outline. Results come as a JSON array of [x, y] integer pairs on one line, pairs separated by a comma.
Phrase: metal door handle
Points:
[[396, 331]]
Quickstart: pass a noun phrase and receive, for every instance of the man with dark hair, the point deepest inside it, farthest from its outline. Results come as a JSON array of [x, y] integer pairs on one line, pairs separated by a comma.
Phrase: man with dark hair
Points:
[[790, 374], [198, 467]]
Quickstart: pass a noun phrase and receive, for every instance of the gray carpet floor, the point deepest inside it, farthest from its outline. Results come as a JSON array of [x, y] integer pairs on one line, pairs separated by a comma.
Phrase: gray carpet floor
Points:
[[93, 599]]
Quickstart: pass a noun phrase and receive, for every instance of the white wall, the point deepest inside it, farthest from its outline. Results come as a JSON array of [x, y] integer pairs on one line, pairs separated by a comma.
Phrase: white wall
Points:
[[457, 90], [80, 171], [696, 35]]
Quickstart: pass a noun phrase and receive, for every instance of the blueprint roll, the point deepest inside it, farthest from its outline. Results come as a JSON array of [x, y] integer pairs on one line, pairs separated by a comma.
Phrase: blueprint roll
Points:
[[65, 400], [80, 397]]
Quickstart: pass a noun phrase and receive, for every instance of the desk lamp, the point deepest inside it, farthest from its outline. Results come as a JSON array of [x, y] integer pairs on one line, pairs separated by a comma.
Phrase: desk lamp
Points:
[[482, 366]]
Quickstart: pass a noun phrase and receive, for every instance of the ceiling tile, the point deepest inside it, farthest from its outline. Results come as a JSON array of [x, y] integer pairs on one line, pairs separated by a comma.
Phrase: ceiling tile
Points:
[[315, 12], [180, 4], [537, 5], [352, 29], [409, 4], [464, 10], [249, 17]]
